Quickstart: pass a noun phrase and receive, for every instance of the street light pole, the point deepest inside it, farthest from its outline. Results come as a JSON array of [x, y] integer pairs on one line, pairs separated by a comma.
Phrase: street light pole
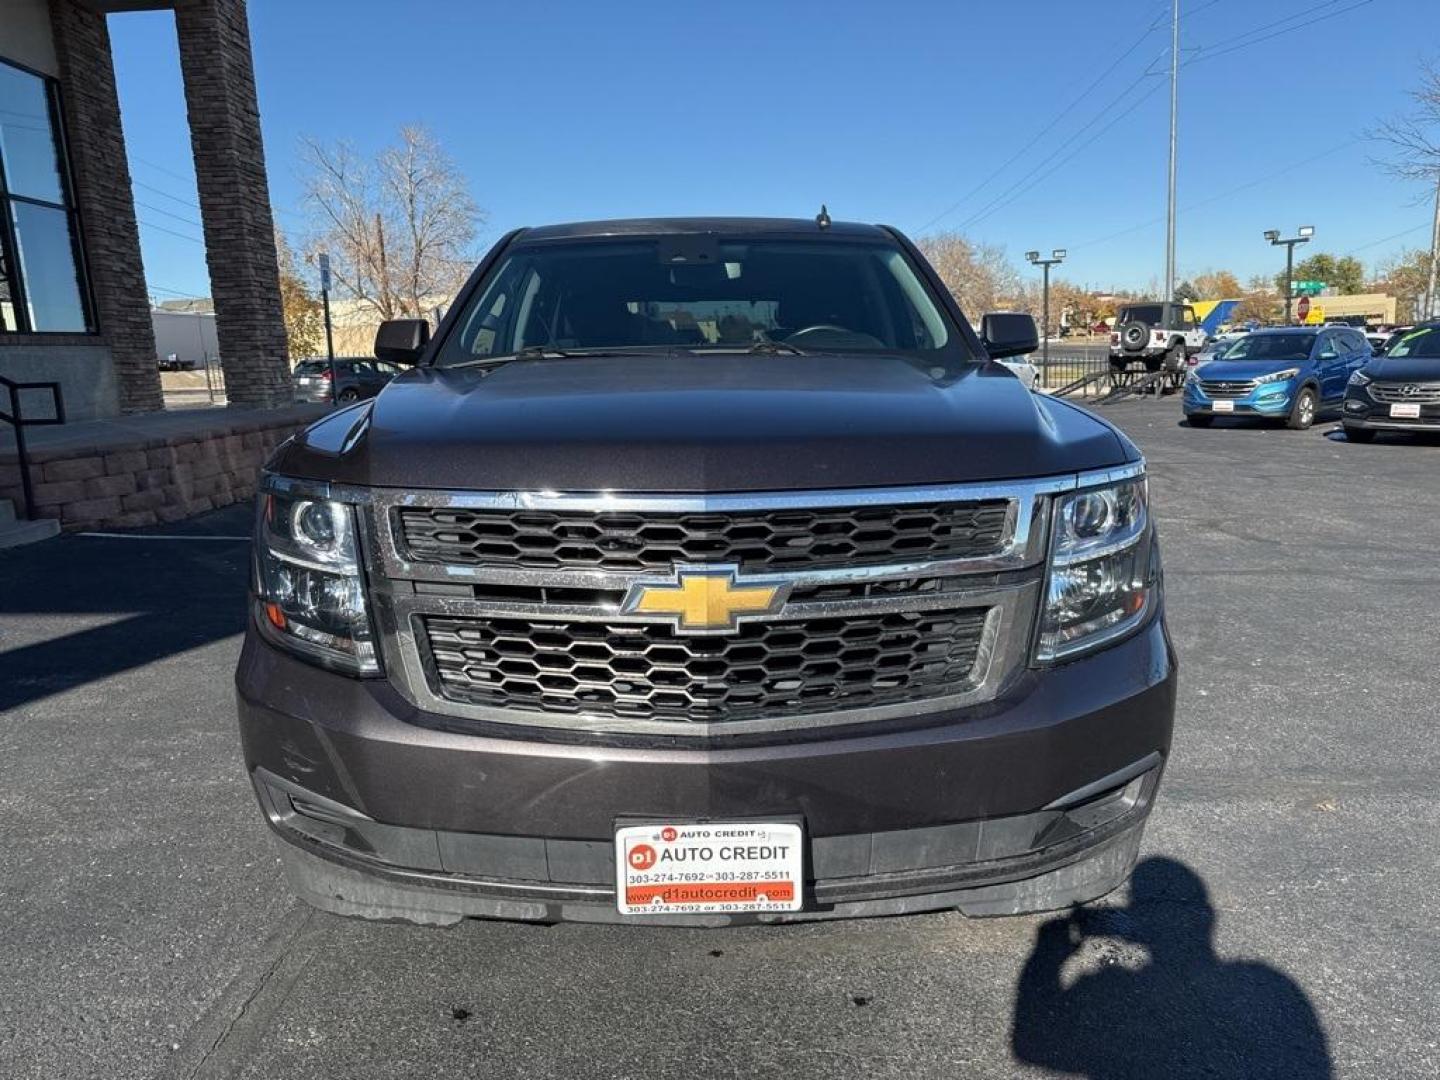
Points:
[[1056, 256], [1302, 236]]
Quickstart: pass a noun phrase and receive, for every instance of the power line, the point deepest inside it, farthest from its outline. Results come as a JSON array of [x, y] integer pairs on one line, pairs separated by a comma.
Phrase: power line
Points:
[[167, 213], [1217, 196], [171, 232], [1074, 103], [1244, 44], [996, 205], [1041, 133]]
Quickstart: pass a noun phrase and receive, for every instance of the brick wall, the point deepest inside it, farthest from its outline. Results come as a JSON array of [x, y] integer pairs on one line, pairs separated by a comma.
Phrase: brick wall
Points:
[[235, 200], [102, 192], [147, 481]]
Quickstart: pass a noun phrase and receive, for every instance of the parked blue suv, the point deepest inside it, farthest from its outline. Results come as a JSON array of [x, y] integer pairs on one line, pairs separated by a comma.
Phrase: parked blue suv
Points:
[[1290, 373]]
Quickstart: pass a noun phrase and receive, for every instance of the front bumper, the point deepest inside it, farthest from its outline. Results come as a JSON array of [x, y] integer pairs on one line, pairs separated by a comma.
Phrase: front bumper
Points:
[[1274, 403], [1030, 802], [1362, 411]]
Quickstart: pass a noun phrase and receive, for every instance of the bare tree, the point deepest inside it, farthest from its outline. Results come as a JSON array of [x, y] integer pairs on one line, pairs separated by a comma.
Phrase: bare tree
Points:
[[1414, 141], [977, 275], [398, 229]]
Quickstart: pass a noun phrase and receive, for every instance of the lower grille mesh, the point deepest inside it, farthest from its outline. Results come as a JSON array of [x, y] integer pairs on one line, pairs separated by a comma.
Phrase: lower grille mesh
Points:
[[767, 670]]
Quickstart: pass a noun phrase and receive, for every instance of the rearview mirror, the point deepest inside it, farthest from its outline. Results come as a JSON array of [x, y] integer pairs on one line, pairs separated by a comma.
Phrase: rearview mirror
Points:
[[1008, 333], [402, 341]]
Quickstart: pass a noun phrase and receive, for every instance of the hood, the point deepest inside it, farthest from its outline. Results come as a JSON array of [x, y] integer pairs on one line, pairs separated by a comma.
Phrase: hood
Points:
[[690, 423], [1241, 370], [1404, 368]]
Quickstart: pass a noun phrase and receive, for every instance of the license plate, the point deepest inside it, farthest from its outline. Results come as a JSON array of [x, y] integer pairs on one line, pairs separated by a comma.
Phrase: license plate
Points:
[[305, 380], [1410, 411], [709, 868], [1223, 406]]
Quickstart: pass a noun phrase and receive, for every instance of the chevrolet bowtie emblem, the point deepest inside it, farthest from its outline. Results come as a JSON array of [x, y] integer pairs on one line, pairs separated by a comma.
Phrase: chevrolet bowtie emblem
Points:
[[707, 599]]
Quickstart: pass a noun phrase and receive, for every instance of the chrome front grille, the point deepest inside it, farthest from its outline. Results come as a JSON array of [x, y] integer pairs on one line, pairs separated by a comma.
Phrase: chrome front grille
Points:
[[1227, 388], [1405, 393], [888, 603], [757, 540], [766, 669]]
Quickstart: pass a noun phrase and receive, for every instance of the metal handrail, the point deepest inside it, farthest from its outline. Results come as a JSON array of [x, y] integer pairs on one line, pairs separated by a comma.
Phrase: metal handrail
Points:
[[16, 418]]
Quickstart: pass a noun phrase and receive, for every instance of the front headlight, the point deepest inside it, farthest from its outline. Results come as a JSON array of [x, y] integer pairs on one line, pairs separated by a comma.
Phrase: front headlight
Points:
[[1279, 376], [1359, 378], [1104, 567], [308, 586]]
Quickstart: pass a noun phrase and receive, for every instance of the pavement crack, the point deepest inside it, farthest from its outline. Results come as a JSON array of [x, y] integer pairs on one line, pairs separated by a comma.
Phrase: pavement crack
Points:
[[220, 1044]]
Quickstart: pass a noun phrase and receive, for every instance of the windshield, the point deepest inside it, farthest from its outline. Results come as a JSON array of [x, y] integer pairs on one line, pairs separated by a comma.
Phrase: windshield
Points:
[[1145, 313], [698, 292], [312, 367], [1417, 343], [1269, 347]]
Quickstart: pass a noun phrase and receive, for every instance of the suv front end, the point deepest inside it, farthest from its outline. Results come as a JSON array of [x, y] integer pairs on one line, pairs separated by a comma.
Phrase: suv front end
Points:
[[979, 725], [706, 571], [1210, 392]]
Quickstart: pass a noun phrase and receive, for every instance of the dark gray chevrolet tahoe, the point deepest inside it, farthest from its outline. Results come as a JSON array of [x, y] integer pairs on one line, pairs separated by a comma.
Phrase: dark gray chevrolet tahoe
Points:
[[705, 571]]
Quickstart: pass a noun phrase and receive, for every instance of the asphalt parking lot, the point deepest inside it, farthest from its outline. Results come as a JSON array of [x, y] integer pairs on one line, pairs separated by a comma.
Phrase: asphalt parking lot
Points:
[[1283, 923]]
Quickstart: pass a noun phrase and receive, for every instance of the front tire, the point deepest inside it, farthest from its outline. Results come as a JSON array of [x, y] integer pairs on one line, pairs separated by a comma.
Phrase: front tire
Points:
[[1302, 412], [348, 396], [1358, 434]]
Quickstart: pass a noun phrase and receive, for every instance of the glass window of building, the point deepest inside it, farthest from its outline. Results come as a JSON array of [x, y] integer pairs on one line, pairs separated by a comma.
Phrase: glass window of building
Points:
[[42, 283]]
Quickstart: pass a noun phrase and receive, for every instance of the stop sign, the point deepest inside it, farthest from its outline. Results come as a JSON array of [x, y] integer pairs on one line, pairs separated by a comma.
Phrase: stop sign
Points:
[[1302, 309]]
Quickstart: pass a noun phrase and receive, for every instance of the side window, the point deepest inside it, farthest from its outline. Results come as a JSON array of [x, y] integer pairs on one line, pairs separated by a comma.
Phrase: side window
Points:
[[1325, 346], [1189, 316]]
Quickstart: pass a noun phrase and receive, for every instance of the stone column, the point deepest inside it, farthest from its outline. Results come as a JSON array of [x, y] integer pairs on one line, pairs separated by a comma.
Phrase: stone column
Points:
[[234, 200], [111, 238]]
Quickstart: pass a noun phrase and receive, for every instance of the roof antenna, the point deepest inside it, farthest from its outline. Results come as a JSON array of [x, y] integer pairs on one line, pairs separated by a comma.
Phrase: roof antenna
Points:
[[823, 218]]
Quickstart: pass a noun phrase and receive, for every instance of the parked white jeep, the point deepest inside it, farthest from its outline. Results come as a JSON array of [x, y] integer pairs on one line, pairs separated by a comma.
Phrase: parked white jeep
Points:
[[1141, 334]]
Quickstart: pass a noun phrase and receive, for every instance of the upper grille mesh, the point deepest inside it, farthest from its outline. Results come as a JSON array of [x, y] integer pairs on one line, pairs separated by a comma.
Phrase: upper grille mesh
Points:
[[757, 540], [1421, 394], [1227, 388], [765, 670]]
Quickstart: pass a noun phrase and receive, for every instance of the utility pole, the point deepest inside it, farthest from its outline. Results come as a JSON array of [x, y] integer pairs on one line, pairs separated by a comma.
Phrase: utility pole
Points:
[[1302, 236], [329, 338], [1033, 257], [1432, 298], [1170, 200]]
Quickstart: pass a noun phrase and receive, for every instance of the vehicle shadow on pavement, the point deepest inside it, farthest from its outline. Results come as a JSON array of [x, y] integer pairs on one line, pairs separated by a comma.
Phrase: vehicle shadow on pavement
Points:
[[1162, 1003], [125, 603]]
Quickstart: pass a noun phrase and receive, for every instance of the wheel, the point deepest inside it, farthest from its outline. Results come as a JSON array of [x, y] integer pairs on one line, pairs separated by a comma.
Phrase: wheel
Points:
[[348, 395], [1200, 420], [1302, 413], [1358, 434]]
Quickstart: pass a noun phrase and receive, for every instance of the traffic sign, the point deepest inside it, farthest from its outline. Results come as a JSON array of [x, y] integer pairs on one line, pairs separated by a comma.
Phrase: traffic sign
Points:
[[1307, 288], [1302, 309]]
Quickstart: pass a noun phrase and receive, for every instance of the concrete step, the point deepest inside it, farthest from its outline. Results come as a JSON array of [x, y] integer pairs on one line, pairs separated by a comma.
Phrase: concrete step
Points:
[[13, 532]]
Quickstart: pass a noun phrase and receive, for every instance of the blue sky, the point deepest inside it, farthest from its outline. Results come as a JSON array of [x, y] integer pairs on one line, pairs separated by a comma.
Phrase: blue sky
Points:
[[892, 112]]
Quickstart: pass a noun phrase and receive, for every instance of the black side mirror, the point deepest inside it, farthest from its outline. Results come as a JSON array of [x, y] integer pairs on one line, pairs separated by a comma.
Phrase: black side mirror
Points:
[[402, 341], [1008, 333]]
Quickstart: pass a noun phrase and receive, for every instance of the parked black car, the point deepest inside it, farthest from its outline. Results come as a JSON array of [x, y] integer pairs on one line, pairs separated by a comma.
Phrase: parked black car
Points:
[[706, 570], [357, 378], [1399, 391]]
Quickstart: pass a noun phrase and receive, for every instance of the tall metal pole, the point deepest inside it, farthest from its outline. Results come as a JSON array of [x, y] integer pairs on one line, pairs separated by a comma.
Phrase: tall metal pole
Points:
[[1045, 316], [1432, 299], [1174, 114], [1289, 281]]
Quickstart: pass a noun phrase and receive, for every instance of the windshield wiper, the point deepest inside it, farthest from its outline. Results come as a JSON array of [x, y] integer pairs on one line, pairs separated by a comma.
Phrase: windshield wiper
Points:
[[535, 352], [774, 348], [763, 346]]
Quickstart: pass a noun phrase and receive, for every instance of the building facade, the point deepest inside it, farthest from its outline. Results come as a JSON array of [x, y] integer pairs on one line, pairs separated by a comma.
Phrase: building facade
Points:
[[74, 307]]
